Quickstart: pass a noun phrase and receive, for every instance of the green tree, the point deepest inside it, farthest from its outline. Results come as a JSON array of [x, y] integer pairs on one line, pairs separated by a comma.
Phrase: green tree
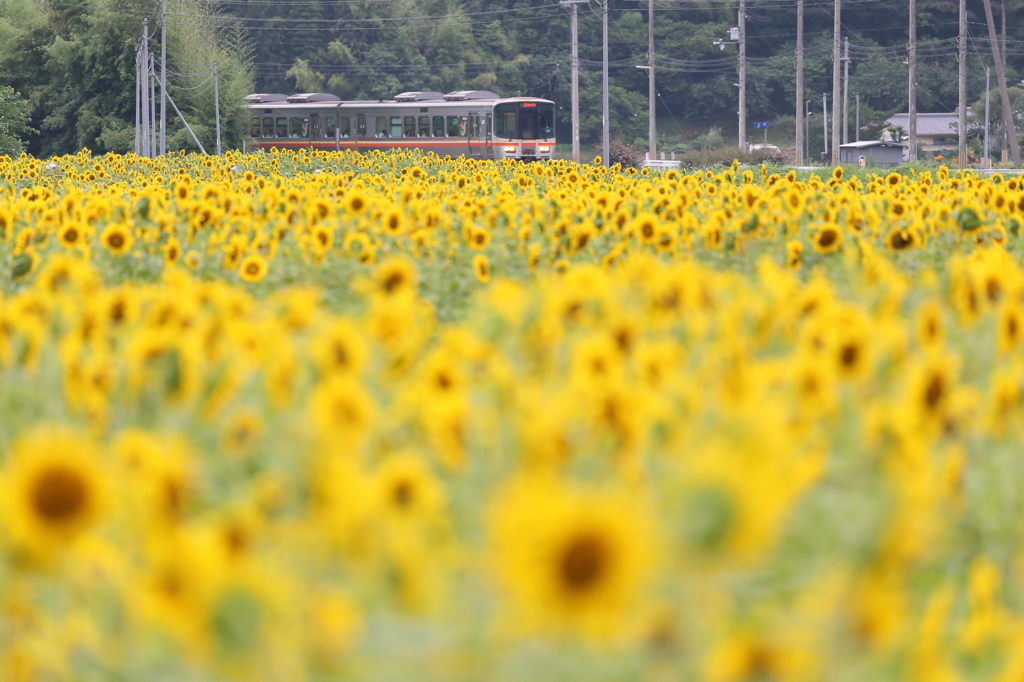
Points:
[[13, 122]]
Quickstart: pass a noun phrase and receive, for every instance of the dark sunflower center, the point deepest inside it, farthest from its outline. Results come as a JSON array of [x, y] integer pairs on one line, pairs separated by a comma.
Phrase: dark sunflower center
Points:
[[71, 235], [934, 392], [402, 493], [116, 241], [253, 268], [583, 563], [59, 495], [849, 355], [393, 281], [828, 238]]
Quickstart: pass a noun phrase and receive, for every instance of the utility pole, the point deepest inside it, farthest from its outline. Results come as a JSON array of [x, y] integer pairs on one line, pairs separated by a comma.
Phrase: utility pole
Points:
[[138, 117], [1008, 125], [144, 85], [807, 130], [912, 83], [857, 120], [652, 94], [216, 103], [988, 88], [163, 77], [574, 63], [152, 105], [962, 76], [835, 83], [799, 82], [824, 112], [743, 74], [846, 91], [605, 140]]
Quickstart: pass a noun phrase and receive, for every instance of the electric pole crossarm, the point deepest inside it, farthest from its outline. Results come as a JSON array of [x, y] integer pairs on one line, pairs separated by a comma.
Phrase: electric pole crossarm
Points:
[[1008, 124]]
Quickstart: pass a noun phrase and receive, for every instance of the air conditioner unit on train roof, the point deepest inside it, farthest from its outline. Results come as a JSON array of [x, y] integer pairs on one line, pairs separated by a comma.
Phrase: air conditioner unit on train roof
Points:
[[418, 96], [466, 95], [265, 98], [311, 97]]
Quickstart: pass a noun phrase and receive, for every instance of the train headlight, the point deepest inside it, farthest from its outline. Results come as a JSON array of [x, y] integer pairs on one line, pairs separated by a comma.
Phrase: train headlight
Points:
[[545, 150], [510, 150]]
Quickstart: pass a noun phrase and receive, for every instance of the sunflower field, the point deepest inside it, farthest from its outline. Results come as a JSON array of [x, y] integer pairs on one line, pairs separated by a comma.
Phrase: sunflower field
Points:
[[319, 416]]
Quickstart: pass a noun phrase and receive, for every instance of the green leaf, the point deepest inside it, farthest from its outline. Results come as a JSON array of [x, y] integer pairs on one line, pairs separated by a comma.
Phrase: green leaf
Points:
[[968, 219], [21, 266]]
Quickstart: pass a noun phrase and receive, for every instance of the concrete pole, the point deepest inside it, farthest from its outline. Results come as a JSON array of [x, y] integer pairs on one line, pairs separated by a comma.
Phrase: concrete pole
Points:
[[799, 82], [962, 77], [144, 85], [1008, 124], [824, 112], [912, 83], [138, 117], [163, 77], [988, 88], [605, 128], [152, 106], [836, 60], [846, 91], [216, 103], [856, 123], [652, 93], [575, 58], [743, 74]]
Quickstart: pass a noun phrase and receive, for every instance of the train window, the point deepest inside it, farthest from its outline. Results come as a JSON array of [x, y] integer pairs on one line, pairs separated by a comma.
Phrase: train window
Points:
[[344, 128], [546, 121], [282, 127], [504, 123], [361, 125], [439, 126], [410, 126], [256, 128], [456, 126], [268, 127], [396, 126], [381, 126], [314, 125], [474, 126], [424, 126], [329, 127], [299, 127]]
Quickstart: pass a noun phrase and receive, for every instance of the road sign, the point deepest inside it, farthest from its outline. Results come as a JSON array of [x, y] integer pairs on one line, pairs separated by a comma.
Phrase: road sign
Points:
[[761, 125]]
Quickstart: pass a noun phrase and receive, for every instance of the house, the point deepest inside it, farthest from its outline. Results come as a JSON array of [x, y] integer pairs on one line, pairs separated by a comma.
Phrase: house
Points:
[[875, 152], [936, 133]]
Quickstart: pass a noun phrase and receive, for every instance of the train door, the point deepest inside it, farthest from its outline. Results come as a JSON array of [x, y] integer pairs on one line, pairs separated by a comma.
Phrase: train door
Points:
[[473, 132], [488, 152]]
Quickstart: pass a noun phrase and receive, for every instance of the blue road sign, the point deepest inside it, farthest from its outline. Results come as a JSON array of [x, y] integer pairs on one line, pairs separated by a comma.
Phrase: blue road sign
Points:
[[761, 125]]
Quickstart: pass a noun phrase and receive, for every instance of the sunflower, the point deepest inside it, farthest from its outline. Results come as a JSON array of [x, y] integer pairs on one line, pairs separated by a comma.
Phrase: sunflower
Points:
[[393, 222], [355, 202], [340, 348], [395, 276], [482, 268], [794, 251], [900, 240], [117, 239], [341, 409], [478, 238], [893, 179], [172, 251], [71, 235], [828, 239], [54, 489], [837, 173], [253, 268], [572, 561], [407, 489], [1009, 326], [645, 227]]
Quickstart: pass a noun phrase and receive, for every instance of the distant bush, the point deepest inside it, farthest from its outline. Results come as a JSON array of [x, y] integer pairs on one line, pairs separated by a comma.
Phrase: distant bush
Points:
[[621, 152]]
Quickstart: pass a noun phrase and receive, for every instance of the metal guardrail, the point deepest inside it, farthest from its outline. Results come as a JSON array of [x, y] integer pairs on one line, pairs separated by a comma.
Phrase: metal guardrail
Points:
[[662, 162]]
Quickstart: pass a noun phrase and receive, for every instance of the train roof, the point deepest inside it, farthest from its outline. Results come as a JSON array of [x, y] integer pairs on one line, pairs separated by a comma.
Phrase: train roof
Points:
[[320, 99]]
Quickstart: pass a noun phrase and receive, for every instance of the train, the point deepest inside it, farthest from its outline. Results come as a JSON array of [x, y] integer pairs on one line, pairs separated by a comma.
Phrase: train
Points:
[[476, 124]]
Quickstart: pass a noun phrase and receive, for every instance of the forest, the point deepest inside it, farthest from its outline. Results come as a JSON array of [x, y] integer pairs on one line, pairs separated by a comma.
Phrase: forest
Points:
[[73, 61]]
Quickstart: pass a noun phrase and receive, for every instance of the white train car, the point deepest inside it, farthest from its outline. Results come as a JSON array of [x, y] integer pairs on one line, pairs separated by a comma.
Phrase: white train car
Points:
[[472, 123]]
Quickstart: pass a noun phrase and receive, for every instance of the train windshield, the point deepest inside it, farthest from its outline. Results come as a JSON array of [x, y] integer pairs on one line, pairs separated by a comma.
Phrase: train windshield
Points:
[[524, 120]]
